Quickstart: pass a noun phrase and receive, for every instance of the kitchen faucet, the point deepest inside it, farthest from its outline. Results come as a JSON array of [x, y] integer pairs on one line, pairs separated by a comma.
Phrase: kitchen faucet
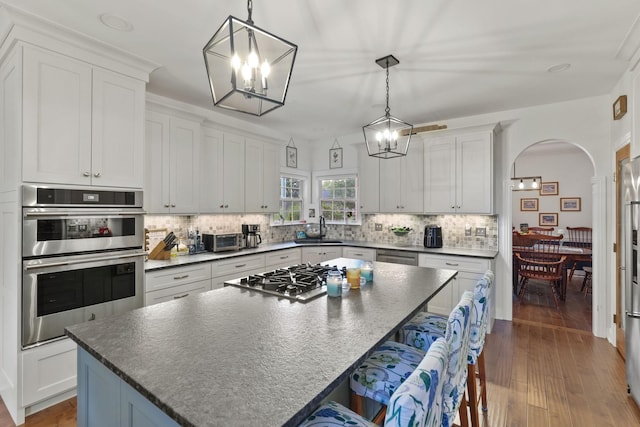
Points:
[[323, 226]]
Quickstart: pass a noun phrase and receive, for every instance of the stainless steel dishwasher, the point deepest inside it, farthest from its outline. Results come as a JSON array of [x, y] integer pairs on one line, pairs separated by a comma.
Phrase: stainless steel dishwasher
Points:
[[397, 257]]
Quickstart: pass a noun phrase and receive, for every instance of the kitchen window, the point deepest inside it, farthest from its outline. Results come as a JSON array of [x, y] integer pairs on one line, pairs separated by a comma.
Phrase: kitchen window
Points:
[[291, 200], [339, 198]]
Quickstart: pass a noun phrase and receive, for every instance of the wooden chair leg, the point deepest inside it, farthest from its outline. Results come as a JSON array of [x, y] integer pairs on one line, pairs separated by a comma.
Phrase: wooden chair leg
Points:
[[573, 268], [356, 404], [555, 294], [523, 288], [462, 412], [379, 418], [483, 381], [472, 391]]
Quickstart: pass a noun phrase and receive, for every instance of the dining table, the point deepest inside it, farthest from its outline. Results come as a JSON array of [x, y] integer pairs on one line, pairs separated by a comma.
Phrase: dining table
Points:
[[572, 251]]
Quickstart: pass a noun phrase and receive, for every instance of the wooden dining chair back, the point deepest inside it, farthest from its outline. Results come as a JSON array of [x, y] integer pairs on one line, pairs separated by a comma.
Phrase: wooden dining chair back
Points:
[[541, 261], [542, 230], [579, 237], [519, 240]]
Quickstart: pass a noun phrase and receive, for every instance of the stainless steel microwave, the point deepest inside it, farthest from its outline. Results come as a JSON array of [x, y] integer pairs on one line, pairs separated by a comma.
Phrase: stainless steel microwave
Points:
[[222, 242]]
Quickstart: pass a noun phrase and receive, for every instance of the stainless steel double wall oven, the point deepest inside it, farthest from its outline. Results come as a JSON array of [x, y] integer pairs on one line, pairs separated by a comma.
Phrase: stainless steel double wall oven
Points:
[[82, 257]]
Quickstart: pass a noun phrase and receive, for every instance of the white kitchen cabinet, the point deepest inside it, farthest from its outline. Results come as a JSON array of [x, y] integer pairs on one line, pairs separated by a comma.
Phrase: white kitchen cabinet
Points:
[[318, 254], [174, 283], [368, 181], [402, 181], [172, 164], [458, 172], [359, 253], [81, 124], [262, 177], [48, 370], [222, 177], [470, 270], [284, 258], [236, 267]]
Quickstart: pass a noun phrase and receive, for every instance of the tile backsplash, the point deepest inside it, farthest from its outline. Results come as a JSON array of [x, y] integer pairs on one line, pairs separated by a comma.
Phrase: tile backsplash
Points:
[[458, 231]]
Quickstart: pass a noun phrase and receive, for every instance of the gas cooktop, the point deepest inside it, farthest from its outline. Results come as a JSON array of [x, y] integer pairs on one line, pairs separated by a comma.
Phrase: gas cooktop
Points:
[[302, 282]]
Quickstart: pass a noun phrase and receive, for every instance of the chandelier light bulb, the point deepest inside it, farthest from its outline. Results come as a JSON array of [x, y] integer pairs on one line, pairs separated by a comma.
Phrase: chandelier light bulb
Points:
[[386, 134], [265, 69], [246, 72], [253, 60], [235, 62], [378, 136], [534, 184], [521, 185], [394, 135]]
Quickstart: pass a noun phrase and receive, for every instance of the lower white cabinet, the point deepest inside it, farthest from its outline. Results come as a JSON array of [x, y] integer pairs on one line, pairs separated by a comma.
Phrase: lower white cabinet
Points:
[[179, 282], [236, 267], [48, 370], [281, 259], [470, 270], [318, 254], [359, 253]]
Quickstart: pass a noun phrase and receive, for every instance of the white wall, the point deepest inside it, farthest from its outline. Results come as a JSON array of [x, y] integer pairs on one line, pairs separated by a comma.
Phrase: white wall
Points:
[[563, 163]]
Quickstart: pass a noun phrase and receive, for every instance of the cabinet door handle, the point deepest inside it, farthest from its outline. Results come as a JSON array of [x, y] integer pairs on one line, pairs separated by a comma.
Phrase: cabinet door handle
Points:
[[240, 265], [222, 206], [284, 257], [180, 296], [97, 174], [453, 207], [266, 206], [452, 264], [173, 205], [86, 174], [226, 206], [166, 205], [180, 277]]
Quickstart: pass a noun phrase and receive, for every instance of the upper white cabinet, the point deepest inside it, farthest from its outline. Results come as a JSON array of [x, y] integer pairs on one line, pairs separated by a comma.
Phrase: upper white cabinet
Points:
[[368, 181], [262, 177], [402, 182], [222, 177], [81, 124], [458, 172], [172, 164]]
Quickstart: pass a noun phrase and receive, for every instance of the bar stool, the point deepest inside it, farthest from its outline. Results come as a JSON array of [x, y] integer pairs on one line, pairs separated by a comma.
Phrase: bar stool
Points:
[[586, 283], [417, 402], [380, 376], [426, 327]]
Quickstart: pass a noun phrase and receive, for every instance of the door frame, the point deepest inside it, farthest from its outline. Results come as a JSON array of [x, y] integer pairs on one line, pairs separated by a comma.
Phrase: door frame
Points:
[[623, 153]]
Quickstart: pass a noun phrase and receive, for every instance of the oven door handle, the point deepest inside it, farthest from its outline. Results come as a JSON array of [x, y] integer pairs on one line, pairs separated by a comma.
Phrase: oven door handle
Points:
[[84, 213], [83, 261]]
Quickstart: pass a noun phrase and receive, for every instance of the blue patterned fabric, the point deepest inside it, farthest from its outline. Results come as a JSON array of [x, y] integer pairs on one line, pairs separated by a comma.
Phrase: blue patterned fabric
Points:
[[423, 330], [418, 400], [457, 336], [334, 414], [381, 374], [480, 321]]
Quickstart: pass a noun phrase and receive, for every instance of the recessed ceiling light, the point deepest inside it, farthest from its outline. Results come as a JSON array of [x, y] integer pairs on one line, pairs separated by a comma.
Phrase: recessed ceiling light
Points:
[[115, 22], [558, 68]]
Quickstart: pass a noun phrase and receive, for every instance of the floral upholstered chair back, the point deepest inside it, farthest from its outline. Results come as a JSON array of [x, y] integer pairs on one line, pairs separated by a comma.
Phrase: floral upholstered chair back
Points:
[[479, 321], [417, 402], [457, 335]]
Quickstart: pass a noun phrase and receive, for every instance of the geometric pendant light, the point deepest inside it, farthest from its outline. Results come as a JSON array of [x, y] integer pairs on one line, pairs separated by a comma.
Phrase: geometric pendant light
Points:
[[249, 69]]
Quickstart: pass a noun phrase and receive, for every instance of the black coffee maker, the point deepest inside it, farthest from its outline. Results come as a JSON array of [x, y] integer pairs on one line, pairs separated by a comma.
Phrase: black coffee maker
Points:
[[251, 235], [432, 236]]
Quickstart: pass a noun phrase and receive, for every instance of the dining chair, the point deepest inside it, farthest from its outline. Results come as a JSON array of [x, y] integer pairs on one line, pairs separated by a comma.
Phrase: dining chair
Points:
[[542, 230], [579, 237], [543, 268]]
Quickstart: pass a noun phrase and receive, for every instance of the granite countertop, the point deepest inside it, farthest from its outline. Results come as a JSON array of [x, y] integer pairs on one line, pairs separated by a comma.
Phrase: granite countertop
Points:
[[269, 247], [238, 357]]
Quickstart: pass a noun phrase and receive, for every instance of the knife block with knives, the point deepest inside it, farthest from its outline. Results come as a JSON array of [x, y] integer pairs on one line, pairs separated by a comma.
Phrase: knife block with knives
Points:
[[162, 251]]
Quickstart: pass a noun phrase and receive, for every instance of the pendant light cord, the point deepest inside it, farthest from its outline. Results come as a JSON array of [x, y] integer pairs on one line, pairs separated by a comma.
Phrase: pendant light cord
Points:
[[387, 110], [250, 10]]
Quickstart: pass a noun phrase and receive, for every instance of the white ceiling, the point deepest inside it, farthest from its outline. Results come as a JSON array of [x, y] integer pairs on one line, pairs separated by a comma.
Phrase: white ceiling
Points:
[[457, 57]]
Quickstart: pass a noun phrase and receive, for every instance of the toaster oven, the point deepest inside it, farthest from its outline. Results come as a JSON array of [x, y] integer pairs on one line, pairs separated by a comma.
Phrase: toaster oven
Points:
[[222, 242]]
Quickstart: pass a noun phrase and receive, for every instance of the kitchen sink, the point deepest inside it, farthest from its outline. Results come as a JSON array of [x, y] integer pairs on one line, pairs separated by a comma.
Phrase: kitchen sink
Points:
[[316, 241]]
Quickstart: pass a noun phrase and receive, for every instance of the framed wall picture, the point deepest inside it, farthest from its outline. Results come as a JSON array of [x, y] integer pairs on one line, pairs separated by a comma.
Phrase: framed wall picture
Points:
[[292, 157], [529, 204], [547, 219], [335, 158], [620, 107], [549, 188], [570, 204]]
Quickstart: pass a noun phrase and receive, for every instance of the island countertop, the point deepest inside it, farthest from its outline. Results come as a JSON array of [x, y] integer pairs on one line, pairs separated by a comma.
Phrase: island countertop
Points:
[[238, 357]]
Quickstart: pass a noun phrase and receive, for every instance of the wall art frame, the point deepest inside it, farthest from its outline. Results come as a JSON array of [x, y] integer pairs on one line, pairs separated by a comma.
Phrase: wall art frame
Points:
[[549, 188], [570, 204], [529, 204], [548, 219]]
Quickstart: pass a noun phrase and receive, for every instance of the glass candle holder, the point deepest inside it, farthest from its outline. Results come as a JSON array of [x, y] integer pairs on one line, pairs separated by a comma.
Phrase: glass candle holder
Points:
[[334, 283], [366, 271]]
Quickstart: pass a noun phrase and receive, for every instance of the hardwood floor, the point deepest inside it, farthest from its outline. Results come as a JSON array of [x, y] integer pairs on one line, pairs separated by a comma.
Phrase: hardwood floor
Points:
[[543, 369], [539, 307]]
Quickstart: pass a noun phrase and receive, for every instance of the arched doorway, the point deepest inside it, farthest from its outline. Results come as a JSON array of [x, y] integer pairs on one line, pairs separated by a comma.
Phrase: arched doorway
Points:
[[570, 170]]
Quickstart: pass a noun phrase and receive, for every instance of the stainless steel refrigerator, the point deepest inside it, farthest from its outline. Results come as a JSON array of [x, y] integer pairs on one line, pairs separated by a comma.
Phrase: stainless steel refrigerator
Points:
[[631, 295]]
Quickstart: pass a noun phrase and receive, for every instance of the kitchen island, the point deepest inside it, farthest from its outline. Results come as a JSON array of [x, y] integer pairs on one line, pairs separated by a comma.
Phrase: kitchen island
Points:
[[237, 357]]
